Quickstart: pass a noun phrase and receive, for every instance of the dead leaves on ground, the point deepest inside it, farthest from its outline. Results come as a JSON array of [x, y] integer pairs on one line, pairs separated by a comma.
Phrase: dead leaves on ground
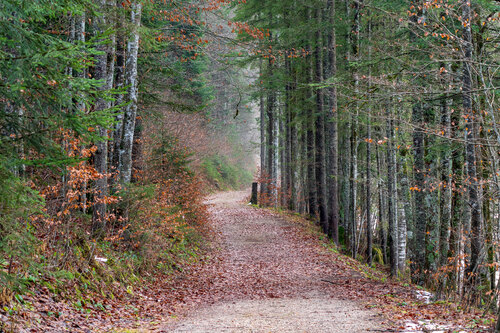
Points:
[[253, 254]]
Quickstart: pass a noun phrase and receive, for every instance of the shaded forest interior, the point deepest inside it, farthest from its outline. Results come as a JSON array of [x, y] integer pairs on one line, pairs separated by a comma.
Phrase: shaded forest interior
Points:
[[116, 119], [378, 120]]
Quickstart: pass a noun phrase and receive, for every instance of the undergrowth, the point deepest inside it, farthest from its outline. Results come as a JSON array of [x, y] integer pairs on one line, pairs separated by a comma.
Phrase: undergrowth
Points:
[[397, 297], [225, 174], [377, 272], [154, 228]]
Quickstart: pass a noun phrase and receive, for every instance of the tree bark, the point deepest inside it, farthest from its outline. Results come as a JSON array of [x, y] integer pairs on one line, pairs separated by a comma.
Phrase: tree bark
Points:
[[294, 146], [391, 190], [419, 170], [311, 148], [446, 187], [79, 22], [369, 241], [263, 158], [130, 113], [271, 150], [333, 199], [101, 154], [470, 142], [320, 129], [354, 129], [282, 135], [80, 37], [119, 84], [287, 178], [381, 206], [401, 207]]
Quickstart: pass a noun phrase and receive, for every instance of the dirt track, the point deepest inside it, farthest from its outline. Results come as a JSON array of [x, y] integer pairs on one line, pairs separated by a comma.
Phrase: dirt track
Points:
[[272, 280]]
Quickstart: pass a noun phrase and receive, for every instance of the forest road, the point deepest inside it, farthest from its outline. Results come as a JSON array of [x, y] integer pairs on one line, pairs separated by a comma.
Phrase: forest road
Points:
[[271, 280]]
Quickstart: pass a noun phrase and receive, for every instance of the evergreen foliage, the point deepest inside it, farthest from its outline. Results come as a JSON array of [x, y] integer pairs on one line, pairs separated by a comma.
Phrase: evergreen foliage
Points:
[[404, 98]]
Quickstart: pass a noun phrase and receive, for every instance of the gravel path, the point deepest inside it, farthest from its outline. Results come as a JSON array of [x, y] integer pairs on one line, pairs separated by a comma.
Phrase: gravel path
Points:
[[271, 281]]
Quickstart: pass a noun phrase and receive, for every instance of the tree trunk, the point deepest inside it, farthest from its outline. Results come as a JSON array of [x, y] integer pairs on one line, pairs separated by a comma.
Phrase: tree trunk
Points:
[[368, 212], [431, 208], [304, 149], [470, 143], [354, 129], [345, 143], [401, 216], [287, 177], [419, 170], [446, 187], [282, 121], [311, 156], [320, 130], [294, 147], [381, 206], [253, 199], [333, 199], [80, 37], [119, 82], [457, 161], [368, 195], [264, 173], [391, 190], [101, 154], [271, 149], [80, 106], [130, 113]]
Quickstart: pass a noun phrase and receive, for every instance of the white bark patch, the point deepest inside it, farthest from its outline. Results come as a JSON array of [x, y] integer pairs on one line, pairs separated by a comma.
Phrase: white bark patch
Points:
[[130, 113]]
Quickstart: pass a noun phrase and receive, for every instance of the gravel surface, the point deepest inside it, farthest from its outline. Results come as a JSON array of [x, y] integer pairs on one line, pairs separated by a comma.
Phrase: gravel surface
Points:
[[316, 314], [271, 281]]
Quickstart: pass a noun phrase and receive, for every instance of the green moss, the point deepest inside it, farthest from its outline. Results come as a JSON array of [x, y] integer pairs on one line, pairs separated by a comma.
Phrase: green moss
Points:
[[378, 255]]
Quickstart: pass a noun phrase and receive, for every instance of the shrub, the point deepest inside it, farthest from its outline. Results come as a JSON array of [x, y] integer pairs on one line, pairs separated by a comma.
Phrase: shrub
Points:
[[19, 204]]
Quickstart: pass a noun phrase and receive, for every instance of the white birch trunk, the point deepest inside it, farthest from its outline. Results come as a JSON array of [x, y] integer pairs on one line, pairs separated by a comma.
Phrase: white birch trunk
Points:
[[80, 38], [402, 230], [130, 112]]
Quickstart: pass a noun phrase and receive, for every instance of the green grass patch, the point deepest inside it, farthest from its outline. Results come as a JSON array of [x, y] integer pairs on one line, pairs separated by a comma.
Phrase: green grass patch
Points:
[[225, 174]]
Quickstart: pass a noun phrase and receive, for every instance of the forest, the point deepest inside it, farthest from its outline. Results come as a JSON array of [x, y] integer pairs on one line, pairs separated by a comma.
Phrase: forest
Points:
[[387, 132], [128, 129]]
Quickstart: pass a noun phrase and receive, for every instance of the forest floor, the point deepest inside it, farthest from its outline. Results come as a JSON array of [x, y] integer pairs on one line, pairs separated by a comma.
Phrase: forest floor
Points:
[[264, 271], [272, 279], [277, 272]]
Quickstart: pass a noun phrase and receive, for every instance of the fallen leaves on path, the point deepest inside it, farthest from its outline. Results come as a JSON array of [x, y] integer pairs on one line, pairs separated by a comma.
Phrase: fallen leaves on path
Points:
[[254, 254]]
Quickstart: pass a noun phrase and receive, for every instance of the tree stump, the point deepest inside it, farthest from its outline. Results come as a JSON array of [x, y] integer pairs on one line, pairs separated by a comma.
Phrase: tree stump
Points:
[[253, 200]]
